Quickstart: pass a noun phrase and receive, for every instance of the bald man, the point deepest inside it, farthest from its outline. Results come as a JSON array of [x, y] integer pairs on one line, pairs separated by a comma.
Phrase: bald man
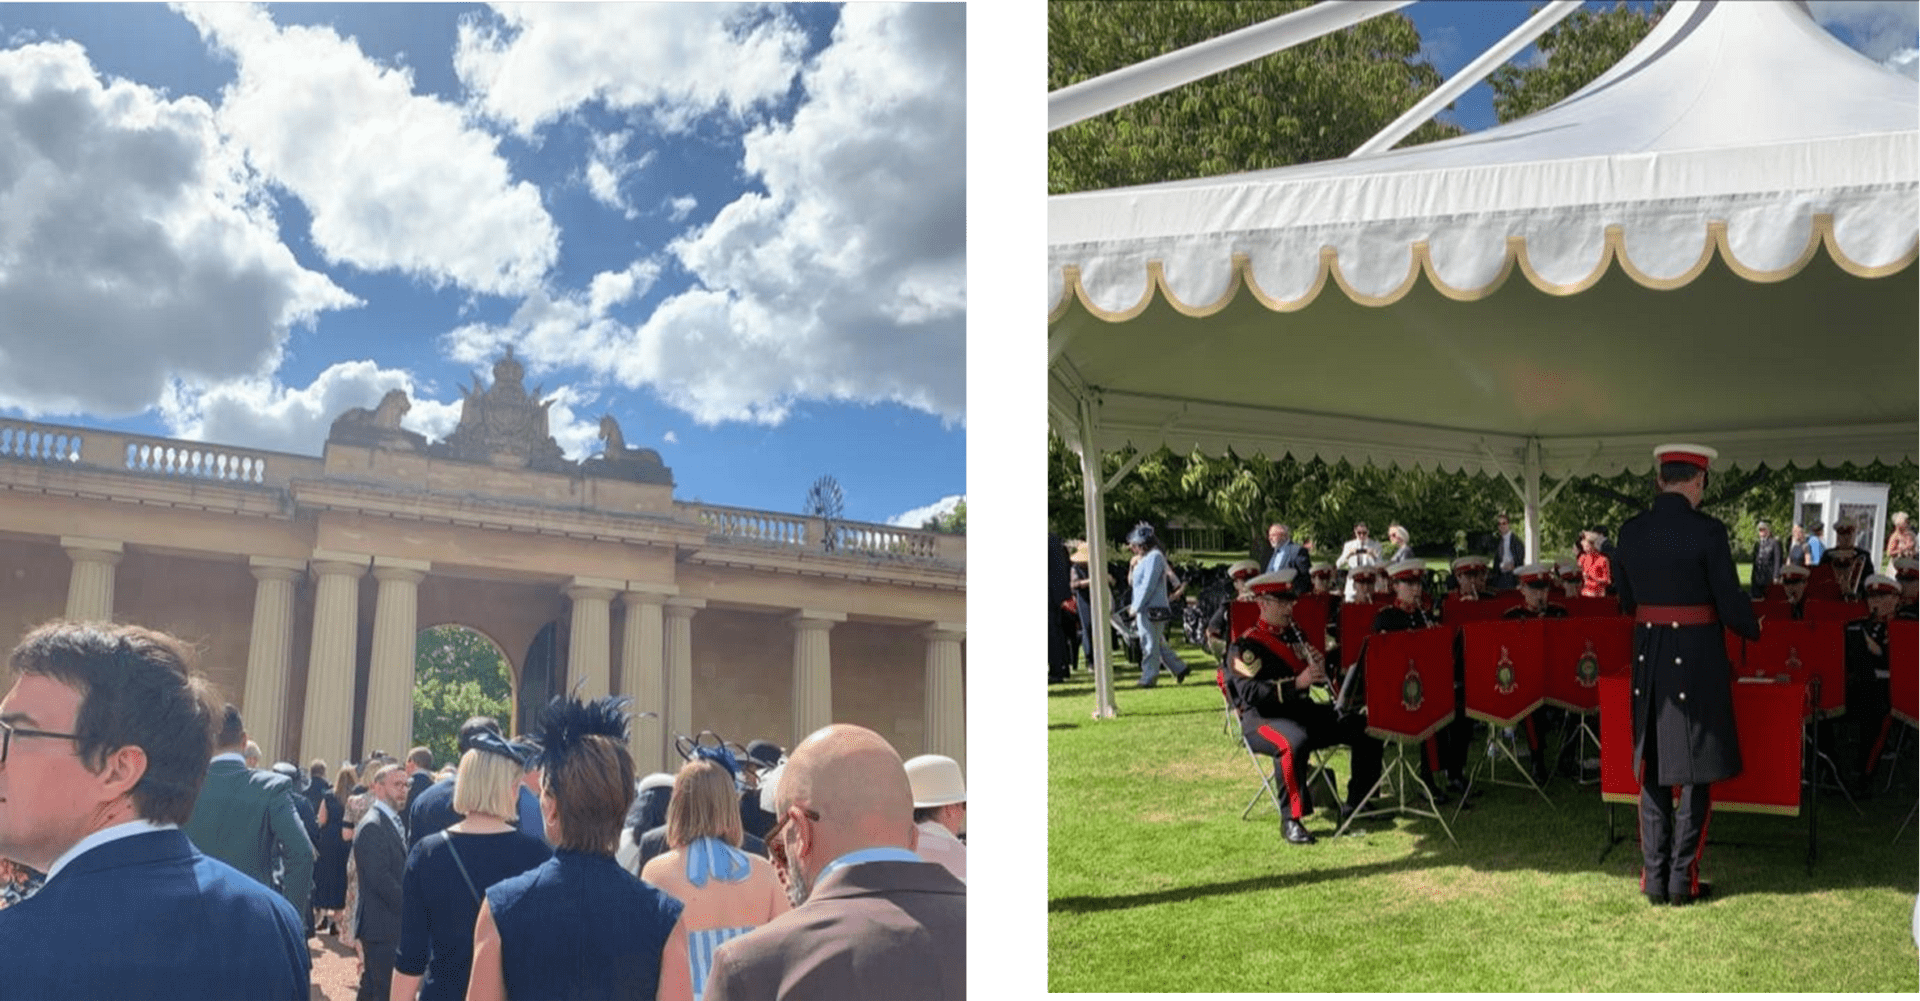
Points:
[[863, 901]]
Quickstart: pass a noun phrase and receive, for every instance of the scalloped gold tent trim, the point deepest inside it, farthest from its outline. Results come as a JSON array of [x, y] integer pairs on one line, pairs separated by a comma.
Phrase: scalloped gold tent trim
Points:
[[1613, 251]]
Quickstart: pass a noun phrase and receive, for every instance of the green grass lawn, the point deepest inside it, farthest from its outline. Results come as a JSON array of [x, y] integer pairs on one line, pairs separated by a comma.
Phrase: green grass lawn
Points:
[[1156, 884]]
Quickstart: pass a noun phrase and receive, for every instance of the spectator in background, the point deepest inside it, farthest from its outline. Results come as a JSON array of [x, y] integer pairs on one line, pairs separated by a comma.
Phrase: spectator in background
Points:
[[1286, 552], [940, 811], [1509, 552], [333, 847], [1151, 607], [1059, 591], [1596, 571], [244, 816], [1799, 552], [1816, 546], [448, 872], [419, 775], [1901, 541], [725, 891], [1359, 551], [432, 810], [648, 812], [1768, 558], [380, 857], [762, 757], [1399, 543]]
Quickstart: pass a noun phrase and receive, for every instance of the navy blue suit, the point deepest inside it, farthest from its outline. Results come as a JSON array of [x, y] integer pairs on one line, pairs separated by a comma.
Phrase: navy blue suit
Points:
[[149, 916]]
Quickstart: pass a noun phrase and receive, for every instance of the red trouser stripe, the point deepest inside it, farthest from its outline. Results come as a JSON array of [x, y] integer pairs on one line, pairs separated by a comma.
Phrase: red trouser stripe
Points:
[[1699, 853], [1285, 757], [1433, 755], [1533, 739], [1879, 744]]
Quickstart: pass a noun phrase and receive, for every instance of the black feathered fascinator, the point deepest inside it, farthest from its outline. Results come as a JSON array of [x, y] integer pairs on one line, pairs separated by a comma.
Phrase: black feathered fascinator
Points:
[[566, 723]]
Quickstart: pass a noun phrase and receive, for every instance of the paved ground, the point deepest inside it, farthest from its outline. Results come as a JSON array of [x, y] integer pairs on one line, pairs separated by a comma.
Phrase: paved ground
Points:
[[335, 971]]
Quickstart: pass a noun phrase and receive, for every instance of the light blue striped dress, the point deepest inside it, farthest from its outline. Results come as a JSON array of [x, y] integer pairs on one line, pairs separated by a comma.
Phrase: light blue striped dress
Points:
[[712, 858]]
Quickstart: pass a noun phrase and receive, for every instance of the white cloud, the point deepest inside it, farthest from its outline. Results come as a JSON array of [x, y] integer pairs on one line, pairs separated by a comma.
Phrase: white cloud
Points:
[[263, 413], [1881, 28], [394, 180], [670, 438], [528, 64], [919, 515], [678, 208], [1905, 61], [606, 169], [559, 330], [135, 248]]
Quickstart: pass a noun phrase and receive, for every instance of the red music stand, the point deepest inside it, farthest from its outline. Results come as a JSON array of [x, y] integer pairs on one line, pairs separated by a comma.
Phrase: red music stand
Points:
[[1767, 716], [1310, 613], [1505, 665], [1811, 651], [1903, 688], [1584, 607], [1356, 624], [1409, 691], [1581, 651]]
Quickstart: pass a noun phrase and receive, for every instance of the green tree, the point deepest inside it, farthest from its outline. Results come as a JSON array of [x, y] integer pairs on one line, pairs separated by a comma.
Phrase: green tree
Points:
[[1575, 51], [953, 522], [1316, 101], [457, 674]]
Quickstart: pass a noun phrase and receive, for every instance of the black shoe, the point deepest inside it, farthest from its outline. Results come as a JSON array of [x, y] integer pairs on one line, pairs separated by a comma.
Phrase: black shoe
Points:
[[1457, 785], [1341, 811], [1539, 769], [1439, 791], [1657, 899], [1701, 893], [1180, 677], [1296, 832], [1143, 684]]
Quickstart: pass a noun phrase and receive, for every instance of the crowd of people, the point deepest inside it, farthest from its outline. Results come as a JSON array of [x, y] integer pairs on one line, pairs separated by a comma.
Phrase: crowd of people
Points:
[[131, 814]]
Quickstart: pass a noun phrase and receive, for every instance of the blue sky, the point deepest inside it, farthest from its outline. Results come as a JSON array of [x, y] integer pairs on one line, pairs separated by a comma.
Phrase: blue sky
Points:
[[739, 229], [1454, 33]]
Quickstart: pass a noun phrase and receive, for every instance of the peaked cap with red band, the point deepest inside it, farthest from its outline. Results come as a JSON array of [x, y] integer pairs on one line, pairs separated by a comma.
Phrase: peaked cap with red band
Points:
[[1407, 571], [1692, 455], [1880, 584], [1278, 584]]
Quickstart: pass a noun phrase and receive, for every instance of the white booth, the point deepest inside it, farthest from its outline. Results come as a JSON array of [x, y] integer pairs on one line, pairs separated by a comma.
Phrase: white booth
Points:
[[1828, 502]]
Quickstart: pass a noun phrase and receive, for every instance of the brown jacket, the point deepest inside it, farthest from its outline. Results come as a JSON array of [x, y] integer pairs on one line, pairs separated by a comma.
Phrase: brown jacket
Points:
[[875, 930]]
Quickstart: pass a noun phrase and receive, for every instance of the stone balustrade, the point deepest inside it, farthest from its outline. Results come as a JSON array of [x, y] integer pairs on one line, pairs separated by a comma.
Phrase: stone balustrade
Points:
[[730, 524], [39, 442]]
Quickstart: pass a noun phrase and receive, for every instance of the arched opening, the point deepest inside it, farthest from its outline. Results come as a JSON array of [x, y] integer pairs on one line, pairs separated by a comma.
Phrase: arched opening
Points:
[[458, 672]]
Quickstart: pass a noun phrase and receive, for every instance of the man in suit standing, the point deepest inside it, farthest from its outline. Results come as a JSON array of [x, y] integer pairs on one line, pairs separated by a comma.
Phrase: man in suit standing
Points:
[[104, 740], [870, 919], [1286, 552], [419, 775], [244, 816], [1674, 569], [380, 854], [1509, 552]]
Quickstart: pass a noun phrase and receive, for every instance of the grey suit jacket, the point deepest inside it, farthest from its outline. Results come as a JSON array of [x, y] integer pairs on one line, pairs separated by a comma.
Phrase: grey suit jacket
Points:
[[242, 815], [876, 930], [380, 855]]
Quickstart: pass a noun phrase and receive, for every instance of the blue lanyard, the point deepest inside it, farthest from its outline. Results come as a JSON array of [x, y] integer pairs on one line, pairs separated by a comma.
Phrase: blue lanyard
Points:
[[870, 855]]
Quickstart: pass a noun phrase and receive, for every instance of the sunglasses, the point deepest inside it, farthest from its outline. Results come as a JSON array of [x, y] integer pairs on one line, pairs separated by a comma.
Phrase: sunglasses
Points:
[[776, 846]]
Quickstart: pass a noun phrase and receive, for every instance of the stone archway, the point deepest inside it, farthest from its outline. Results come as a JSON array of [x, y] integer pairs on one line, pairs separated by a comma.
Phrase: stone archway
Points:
[[459, 672]]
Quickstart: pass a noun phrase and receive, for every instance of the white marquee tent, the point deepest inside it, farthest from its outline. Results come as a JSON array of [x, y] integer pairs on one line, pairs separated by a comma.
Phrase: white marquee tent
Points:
[[1713, 241]]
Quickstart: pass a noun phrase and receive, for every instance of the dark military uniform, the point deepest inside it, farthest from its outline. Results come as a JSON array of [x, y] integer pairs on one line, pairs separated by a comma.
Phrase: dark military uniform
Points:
[[1867, 695], [1683, 729], [1279, 718]]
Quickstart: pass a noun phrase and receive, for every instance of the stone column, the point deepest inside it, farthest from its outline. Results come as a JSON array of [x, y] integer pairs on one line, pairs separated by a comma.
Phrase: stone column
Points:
[[327, 724], [270, 653], [680, 665], [643, 672], [590, 642], [812, 671], [90, 585], [396, 617], [946, 705]]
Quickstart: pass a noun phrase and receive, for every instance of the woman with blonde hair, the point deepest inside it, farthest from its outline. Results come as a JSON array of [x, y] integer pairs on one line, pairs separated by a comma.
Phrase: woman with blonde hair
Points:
[[336, 842], [726, 892], [448, 872], [1400, 542]]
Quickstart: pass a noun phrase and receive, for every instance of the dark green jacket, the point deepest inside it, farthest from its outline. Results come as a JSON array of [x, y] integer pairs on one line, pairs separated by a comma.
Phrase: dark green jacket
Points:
[[242, 815]]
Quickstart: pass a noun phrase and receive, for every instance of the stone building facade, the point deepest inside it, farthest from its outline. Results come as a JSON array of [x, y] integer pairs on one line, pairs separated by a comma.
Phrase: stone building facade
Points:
[[304, 581]]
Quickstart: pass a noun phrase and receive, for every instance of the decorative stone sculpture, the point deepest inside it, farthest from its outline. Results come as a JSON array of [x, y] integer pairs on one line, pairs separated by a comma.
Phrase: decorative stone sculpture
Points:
[[379, 427], [641, 465], [504, 425]]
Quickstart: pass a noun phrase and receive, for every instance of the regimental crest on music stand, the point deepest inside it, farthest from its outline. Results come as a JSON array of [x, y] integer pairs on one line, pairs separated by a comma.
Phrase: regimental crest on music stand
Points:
[[1503, 679], [1412, 692], [1587, 670]]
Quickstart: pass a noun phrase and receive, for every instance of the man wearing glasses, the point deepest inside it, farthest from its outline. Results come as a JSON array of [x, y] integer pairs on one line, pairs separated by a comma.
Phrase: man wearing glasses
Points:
[[104, 742], [1359, 551], [870, 918]]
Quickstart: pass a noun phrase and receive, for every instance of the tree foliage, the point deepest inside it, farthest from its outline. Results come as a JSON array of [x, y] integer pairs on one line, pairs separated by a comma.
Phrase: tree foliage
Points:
[[1316, 101], [953, 522], [1576, 51], [457, 674]]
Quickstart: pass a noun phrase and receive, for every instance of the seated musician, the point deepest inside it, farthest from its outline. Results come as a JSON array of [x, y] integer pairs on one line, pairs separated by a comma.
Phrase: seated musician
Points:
[[1851, 566], [1322, 577], [1793, 580], [1408, 579], [1536, 579], [1906, 570], [1364, 592], [1273, 668], [1867, 696], [1571, 577], [1220, 626], [1469, 579]]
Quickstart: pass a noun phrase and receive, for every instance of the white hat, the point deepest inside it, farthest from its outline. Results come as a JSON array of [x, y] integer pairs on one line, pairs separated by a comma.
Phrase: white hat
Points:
[[1407, 570], [1465, 563], [936, 781], [1535, 573]]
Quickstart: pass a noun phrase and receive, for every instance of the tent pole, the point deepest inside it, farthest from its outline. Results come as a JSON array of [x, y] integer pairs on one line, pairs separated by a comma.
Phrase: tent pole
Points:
[[1531, 498], [1094, 494]]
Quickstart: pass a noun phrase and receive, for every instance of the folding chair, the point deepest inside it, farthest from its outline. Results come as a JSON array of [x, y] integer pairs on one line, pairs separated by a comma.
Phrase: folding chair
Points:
[[1321, 772]]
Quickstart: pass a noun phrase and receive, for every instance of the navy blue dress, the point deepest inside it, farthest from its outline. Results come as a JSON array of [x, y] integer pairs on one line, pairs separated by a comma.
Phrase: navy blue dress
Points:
[[581, 927], [438, 910]]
